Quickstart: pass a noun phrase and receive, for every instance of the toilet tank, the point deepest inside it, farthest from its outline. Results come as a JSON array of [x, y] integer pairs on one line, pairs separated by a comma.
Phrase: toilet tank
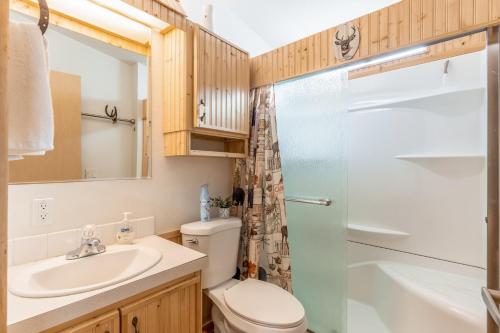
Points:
[[219, 239]]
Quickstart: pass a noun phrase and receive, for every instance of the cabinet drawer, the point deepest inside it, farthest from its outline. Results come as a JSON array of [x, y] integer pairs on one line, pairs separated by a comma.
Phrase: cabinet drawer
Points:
[[107, 323]]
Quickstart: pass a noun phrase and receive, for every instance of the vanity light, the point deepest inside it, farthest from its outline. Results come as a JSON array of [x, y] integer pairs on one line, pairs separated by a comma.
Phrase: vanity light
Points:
[[391, 57], [132, 13]]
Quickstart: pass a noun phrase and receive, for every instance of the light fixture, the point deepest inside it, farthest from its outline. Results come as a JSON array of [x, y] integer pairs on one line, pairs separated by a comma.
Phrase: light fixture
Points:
[[132, 13], [387, 58]]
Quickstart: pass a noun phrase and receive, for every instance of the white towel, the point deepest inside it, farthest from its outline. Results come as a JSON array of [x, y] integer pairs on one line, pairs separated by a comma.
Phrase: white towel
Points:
[[31, 117]]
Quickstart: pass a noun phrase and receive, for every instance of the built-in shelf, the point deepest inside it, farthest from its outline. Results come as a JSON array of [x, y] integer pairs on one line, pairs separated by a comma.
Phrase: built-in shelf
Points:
[[463, 98], [439, 156], [206, 153], [375, 231]]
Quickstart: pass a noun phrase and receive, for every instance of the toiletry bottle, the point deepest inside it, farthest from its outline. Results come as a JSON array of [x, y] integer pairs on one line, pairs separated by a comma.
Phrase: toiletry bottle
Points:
[[126, 234], [204, 204]]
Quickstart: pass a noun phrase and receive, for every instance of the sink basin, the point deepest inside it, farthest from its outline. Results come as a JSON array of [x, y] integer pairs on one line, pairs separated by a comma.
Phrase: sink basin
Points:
[[61, 277]]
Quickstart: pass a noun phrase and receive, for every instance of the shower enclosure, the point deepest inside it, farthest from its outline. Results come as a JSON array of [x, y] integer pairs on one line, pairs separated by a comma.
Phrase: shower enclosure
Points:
[[385, 179]]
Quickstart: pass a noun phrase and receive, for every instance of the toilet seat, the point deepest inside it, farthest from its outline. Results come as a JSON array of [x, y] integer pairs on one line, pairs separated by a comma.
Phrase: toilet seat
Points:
[[242, 323], [265, 304]]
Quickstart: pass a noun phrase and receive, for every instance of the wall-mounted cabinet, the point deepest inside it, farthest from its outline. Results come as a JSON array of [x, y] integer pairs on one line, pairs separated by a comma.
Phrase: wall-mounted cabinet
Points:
[[207, 83]]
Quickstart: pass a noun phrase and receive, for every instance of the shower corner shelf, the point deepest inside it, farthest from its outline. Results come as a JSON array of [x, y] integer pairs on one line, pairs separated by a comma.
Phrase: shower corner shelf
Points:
[[403, 101], [375, 231], [438, 156]]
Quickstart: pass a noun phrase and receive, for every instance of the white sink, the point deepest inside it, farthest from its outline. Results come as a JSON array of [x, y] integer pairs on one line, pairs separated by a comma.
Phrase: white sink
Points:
[[59, 277]]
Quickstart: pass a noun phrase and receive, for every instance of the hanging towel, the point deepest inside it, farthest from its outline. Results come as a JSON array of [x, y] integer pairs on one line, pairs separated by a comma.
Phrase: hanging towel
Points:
[[31, 117]]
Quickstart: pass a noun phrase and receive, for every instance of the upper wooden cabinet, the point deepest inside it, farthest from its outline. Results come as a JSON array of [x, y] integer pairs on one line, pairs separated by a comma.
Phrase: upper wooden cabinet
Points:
[[221, 84], [206, 89]]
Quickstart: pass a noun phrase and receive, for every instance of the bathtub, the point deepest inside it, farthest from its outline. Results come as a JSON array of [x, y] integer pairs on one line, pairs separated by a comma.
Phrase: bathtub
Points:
[[391, 297]]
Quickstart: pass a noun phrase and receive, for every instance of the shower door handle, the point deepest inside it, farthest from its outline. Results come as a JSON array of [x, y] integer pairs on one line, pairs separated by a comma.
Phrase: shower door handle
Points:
[[491, 298], [321, 202]]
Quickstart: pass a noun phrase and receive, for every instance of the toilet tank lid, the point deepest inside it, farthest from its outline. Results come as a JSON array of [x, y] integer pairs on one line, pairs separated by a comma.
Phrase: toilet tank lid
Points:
[[208, 228]]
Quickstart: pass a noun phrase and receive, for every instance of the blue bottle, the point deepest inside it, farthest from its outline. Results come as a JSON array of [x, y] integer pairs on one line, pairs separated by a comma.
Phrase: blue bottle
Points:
[[204, 204]]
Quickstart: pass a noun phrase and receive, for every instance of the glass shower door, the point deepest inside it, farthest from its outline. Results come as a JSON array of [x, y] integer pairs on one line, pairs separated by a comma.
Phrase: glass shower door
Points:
[[310, 119]]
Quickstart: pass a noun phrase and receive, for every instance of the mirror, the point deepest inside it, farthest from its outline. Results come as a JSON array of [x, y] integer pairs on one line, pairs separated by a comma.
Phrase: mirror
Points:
[[101, 114]]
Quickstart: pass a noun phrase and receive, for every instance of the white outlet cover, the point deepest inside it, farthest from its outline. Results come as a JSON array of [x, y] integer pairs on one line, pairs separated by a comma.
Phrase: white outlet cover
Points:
[[43, 212]]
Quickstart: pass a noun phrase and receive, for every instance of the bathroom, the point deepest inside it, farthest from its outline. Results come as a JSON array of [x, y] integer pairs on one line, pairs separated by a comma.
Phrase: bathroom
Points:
[[249, 166]]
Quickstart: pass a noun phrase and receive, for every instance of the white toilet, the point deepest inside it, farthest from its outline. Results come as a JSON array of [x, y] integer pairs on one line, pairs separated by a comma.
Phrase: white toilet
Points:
[[249, 306]]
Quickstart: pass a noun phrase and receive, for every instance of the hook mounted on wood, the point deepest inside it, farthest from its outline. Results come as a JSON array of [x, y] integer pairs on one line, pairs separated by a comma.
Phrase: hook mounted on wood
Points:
[[43, 21]]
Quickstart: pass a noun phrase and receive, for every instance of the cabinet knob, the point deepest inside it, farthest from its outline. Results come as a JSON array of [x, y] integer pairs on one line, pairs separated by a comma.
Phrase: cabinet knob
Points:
[[135, 323], [201, 111]]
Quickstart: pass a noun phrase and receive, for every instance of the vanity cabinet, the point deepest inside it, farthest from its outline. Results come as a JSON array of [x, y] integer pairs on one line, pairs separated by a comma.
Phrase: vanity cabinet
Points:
[[206, 95], [173, 310], [107, 323], [174, 307]]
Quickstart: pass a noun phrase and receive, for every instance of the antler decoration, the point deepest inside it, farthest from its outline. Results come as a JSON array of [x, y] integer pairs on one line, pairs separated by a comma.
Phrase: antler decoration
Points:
[[113, 115]]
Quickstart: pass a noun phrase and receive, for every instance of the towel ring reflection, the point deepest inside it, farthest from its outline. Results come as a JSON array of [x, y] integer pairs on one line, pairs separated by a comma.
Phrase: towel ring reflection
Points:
[[43, 21]]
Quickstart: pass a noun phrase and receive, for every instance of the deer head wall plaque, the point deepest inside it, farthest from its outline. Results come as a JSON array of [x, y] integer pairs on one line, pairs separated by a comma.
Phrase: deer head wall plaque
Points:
[[346, 41]]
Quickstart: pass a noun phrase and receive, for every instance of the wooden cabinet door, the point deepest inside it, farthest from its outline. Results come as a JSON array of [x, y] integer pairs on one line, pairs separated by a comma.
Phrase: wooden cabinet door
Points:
[[221, 84], [108, 323], [174, 310]]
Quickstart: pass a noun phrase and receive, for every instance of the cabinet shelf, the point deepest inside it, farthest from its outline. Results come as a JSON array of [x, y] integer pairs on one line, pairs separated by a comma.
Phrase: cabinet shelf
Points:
[[207, 153], [463, 99]]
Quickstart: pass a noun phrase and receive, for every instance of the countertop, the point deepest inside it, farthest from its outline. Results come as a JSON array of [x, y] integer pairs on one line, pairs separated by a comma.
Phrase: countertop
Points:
[[27, 315]]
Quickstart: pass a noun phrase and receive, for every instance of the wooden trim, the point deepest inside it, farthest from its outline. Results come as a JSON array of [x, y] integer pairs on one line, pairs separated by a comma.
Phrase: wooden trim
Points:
[[4, 171], [76, 25], [404, 24], [173, 236]]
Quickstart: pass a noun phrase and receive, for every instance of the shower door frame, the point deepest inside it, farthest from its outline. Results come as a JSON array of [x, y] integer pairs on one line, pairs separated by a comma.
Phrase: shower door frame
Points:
[[492, 251]]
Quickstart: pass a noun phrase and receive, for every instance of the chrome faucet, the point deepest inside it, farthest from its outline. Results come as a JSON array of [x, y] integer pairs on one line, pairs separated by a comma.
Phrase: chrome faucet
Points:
[[89, 246]]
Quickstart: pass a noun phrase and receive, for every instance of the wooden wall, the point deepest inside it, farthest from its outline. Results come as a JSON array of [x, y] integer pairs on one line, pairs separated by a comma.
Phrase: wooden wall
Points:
[[169, 11], [406, 23], [4, 19]]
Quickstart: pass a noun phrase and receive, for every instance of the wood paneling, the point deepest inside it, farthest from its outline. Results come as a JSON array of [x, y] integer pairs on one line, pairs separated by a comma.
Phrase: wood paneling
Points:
[[174, 310], [107, 323], [406, 23], [4, 19], [221, 83], [169, 11], [65, 161]]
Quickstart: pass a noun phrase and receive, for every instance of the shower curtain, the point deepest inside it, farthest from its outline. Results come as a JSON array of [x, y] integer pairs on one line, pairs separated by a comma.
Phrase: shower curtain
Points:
[[264, 249]]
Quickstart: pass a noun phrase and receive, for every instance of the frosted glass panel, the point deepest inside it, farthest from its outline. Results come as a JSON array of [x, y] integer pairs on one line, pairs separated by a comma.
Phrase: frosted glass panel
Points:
[[311, 115]]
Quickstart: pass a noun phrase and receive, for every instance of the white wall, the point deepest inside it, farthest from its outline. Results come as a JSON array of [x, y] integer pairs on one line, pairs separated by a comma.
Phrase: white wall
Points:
[[172, 194], [228, 25]]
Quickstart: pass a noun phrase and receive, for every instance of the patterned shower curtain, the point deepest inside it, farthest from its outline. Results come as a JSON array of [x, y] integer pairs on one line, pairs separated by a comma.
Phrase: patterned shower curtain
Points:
[[264, 249]]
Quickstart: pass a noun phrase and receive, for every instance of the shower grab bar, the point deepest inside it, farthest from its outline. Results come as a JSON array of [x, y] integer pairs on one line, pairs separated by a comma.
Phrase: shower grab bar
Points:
[[321, 202], [490, 297]]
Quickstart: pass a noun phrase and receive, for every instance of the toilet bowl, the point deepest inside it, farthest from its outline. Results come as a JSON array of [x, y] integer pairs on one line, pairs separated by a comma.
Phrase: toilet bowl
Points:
[[253, 306], [249, 306]]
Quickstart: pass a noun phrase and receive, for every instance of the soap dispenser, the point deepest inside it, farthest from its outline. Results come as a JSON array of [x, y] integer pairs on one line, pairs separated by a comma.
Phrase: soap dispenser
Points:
[[126, 234]]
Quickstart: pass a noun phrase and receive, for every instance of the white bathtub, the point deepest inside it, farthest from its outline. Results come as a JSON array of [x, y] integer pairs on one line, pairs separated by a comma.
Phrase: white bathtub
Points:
[[390, 297]]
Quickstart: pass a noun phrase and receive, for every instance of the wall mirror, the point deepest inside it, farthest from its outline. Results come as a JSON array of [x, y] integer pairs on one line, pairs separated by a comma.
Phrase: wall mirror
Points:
[[101, 114]]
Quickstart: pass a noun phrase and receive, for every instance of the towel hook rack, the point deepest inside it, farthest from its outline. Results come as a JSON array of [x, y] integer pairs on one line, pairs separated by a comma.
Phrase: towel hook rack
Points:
[[43, 22]]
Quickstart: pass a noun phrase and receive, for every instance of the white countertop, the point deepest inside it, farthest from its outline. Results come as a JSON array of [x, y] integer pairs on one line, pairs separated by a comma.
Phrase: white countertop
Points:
[[30, 315]]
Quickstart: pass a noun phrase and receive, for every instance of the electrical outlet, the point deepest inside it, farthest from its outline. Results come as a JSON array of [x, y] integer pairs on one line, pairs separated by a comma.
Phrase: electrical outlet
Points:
[[42, 211]]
